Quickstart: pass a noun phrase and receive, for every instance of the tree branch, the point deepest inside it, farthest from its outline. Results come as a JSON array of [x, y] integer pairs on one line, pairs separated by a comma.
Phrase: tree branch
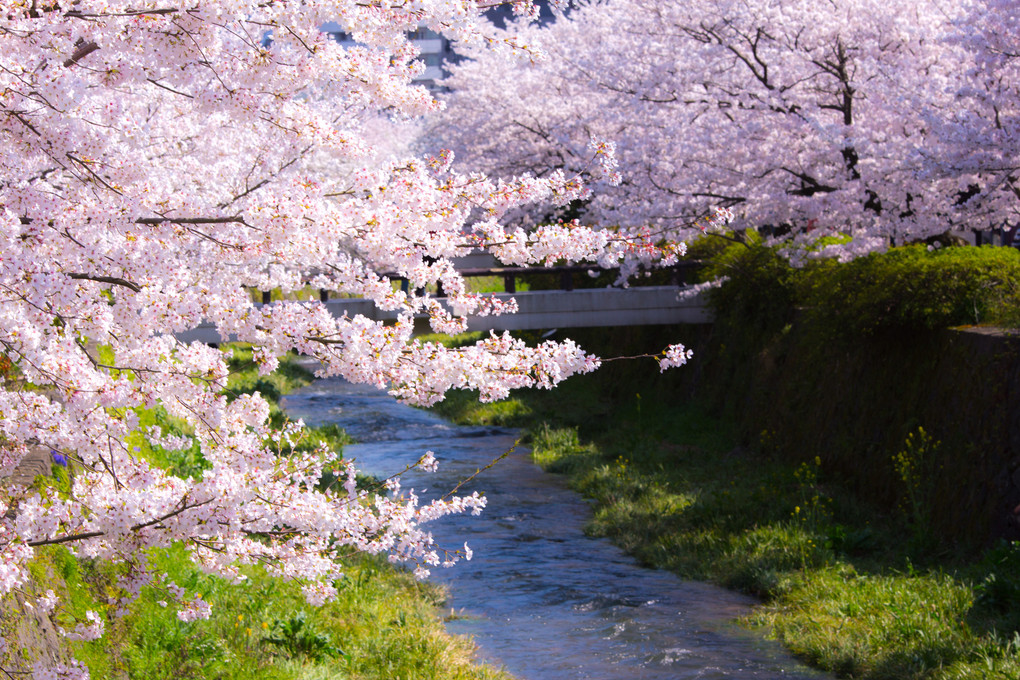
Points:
[[95, 534], [84, 49], [188, 220], [116, 281]]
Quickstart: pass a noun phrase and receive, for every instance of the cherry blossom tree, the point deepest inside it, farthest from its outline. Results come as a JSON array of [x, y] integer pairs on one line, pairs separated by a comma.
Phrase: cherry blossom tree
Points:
[[800, 115], [977, 140], [160, 161]]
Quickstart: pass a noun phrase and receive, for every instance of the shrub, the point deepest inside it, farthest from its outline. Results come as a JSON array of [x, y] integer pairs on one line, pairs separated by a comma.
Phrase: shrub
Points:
[[912, 288]]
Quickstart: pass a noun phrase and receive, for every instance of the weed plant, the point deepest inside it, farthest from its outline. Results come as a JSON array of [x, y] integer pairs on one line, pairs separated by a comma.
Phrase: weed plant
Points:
[[382, 625]]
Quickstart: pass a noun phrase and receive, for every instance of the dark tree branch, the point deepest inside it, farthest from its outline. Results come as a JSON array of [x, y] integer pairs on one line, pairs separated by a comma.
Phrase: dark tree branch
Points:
[[188, 220], [113, 280], [137, 527], [83, 50]]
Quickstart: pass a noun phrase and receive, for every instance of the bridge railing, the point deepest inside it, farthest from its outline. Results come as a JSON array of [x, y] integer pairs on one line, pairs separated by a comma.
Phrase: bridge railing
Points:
[[485, 265]]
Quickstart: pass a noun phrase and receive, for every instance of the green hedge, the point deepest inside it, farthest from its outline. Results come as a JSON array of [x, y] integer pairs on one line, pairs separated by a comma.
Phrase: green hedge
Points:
[[912, 288], [845, 362], [906, 288]]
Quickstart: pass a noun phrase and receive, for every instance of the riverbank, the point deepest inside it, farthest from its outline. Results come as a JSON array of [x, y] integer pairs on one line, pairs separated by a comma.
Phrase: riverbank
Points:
[[383, 624], [848, 587], [539, 596]]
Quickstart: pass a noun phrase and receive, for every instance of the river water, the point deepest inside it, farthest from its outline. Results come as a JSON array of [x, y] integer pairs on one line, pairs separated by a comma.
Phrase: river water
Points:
[[540, 598]]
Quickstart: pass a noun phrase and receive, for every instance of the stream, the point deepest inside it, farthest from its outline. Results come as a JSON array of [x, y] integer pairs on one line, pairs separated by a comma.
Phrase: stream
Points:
[[539, 597]]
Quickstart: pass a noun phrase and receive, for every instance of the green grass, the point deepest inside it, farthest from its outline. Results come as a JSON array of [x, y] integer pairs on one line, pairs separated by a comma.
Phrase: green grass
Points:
[[383, 625], [847, 589], [494, 284]]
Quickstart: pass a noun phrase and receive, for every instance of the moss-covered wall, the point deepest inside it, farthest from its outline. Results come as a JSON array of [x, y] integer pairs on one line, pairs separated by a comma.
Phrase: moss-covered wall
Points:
[[857, 363], [854, 405]]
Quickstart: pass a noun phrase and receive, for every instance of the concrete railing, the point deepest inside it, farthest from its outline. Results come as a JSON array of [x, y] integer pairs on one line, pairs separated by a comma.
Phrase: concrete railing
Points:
[[541, 309], [590, 307]]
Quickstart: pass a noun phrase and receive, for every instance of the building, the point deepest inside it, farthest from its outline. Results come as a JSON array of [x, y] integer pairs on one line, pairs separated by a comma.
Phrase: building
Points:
[[435, 51]]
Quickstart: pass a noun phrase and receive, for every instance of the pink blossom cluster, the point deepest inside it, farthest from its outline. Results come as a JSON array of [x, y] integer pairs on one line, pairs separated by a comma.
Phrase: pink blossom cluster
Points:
[[91, 629], [47, 603], [160, 164], [428, 462], [605, 154], [75, 670], [875, 121], [194, 609], [673, 356]]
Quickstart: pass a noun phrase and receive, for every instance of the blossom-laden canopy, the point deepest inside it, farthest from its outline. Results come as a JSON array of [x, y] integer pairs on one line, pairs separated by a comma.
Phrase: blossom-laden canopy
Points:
[[160, 161], [873, 119]]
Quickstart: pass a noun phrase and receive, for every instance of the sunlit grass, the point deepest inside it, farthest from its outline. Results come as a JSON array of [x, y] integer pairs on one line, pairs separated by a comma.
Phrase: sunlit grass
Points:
[[382, 625]]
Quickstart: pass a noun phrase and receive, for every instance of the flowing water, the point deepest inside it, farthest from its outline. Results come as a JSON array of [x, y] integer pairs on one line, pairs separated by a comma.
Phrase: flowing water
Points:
[[540, 598]]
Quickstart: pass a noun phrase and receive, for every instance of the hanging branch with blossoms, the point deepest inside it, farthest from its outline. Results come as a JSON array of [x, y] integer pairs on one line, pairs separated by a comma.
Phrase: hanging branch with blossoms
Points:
[[162, 160]]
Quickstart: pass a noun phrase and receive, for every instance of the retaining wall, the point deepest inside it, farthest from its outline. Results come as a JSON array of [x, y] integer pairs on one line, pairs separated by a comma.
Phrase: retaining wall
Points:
[[853, 406]]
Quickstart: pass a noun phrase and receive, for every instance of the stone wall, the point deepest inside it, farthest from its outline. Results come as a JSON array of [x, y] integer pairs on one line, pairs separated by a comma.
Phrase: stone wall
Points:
[[854, 406]]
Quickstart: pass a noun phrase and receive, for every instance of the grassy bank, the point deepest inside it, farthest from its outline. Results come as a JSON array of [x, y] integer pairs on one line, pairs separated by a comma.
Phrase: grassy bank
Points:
[[384, 625], [849, 589]]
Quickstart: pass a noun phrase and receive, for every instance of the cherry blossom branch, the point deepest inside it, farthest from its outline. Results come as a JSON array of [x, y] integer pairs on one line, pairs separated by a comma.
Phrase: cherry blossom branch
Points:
[[77, 14], [168, 88], [479, 471], [113, 280], [135, 528], [82, 51], [227, 219]]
